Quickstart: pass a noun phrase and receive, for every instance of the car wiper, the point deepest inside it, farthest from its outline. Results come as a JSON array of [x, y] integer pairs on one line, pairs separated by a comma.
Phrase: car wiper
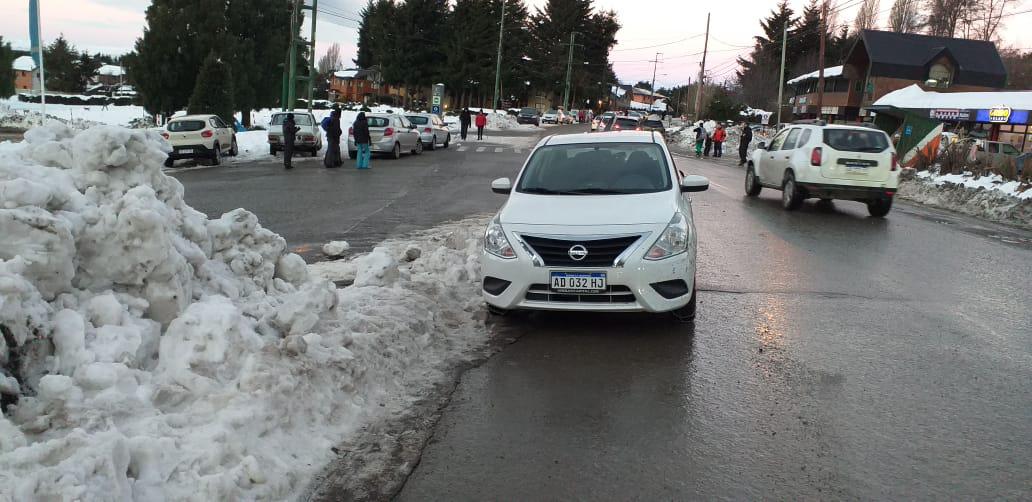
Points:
[[541, 191], [596, 191]]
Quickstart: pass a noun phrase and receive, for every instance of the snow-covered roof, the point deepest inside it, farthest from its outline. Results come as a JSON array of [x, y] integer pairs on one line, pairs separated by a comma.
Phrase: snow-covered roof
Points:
[[834, 71], [345, 73], [646, 92], [914, 97], [110, 70], [24, 63]]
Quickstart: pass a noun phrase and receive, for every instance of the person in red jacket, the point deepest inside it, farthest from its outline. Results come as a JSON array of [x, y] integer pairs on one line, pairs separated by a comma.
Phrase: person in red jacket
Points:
[[718, 141], [481, 124]]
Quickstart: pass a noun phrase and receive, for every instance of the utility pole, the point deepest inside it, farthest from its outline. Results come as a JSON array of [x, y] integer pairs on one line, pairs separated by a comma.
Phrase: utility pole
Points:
[[652, 86], [498, 65], [781, 81], [569, 71], [290, 76], [820, 63], [311, 57], [702, 72]]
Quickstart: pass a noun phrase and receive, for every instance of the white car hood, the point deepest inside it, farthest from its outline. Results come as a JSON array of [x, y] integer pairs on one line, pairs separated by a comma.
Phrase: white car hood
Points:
[[588, 210]]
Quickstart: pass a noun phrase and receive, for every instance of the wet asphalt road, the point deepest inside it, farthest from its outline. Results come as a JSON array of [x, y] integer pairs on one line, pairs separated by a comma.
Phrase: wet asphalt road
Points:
[[834, 355]]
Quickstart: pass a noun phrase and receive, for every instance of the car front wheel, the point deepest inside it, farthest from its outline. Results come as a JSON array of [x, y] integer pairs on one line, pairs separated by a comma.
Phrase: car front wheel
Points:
[[752, 184], [791, 197], [879, 208]]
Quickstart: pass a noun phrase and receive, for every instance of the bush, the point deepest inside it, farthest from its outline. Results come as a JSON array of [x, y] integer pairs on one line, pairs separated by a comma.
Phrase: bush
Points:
[[213, 91], [953, 160], [1005, 166]]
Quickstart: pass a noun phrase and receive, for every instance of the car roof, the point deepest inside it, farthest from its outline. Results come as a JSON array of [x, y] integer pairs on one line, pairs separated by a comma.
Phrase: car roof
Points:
[[602, 137], [192, 117], [293, 112], [626, 117]]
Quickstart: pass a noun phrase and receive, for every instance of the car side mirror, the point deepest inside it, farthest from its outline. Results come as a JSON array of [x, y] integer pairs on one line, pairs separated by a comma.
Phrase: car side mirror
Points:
[[761, 145], [694, 183], [502, 186]]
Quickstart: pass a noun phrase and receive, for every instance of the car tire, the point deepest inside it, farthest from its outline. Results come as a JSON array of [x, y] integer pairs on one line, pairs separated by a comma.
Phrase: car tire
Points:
[[433, 144], [686, 314], [752, 183], [169, 162], [397, 151], [447, 141], [791, 196], [216, 157], [233, 150], [495, 311], [878, 208], [418, 149]]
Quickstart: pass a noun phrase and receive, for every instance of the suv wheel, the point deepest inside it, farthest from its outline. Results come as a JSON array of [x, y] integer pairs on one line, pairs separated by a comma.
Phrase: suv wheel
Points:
[[397, 151], [752, 184], [878, 208], [791, 197], [216, 157]]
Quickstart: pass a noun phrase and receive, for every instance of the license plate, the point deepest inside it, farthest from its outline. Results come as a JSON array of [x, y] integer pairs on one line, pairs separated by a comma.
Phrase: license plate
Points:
[[186, 150], [578, 282]]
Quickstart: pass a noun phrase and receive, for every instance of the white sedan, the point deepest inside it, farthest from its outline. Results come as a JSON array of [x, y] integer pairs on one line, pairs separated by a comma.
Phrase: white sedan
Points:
[[594, 222]]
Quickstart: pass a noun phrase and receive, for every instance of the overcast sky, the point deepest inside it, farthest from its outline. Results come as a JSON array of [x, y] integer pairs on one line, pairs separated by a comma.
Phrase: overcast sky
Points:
[[111, 26]]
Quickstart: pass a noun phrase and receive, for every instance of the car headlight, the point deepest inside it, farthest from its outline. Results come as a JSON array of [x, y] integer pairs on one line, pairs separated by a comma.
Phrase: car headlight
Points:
[[496, 243], [672, 242]]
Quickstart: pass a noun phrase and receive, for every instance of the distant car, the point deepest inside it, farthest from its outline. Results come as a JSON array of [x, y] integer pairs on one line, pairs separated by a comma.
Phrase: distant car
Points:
[[199, 137], [827, 162], [634, 114], [432, 130], [529, 116], [597, 124], [569, 118], [654, 125], [390, 133], [552, 117], [308, 137], [624, 123]]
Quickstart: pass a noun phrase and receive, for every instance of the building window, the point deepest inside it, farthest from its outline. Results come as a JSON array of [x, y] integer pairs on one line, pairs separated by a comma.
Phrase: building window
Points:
[[941, 74]]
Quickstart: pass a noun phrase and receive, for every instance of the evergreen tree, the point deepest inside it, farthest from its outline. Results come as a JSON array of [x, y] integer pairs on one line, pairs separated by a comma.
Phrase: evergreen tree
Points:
[[6, 77], [551, 28], [374, 33], [61, 61], [760, 71], [469, 62], [213, 92], [416, 43], [86, 69], [723, 105]]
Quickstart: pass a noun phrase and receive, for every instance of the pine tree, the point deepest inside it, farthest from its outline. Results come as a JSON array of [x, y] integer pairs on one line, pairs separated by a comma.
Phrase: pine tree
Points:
[[61, 61], [551, 28], [213, 92], [374, 33], [86, 69], [469, 62], [760, 71], [6, 77]]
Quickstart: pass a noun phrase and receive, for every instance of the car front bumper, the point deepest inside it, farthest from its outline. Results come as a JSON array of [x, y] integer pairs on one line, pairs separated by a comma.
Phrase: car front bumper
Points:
[[632, 287]]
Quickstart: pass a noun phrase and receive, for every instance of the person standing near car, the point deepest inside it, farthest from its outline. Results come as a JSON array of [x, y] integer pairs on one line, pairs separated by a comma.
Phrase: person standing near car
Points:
[[290, 129], [333, 133], [718, 141], [743, 145], [362, 141], [465, 119], [481, 124], [700, 139]]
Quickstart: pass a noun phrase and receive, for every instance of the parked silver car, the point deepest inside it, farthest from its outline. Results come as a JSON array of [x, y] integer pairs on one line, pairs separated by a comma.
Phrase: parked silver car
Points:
[[390, 134], [432, 130]]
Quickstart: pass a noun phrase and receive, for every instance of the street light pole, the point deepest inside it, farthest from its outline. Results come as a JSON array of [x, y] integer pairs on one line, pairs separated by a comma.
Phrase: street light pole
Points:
[[498, 64], [702, 73], [781, 81], [569, 71]]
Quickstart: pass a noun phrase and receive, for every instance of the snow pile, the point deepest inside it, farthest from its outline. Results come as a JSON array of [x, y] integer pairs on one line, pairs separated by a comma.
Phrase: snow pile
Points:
[[500, 121], [76, 116], [990, 197], [834, 71], [156, 354]]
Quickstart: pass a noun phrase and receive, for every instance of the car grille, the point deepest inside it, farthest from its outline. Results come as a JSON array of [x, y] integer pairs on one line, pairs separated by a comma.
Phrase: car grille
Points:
[[601, 252], [613, 294]]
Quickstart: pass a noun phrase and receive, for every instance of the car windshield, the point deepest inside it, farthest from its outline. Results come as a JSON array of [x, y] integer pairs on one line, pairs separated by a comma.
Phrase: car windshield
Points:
[[1009, 149], [854, 140], [626, 123], [653, 123], [596, 169], [299, 119], [185, 125], [377, 121], [416, 119], [528, 111]]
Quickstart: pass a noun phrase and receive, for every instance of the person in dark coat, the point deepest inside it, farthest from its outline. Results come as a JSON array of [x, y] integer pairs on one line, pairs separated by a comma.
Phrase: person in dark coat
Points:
[[290, 129], [743, 146], [362, 141], [465, 120], [333, 133], [709, 144]]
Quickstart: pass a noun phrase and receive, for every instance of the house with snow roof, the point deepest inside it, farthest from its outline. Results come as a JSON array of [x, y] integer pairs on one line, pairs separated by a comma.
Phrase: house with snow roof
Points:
[[23, 68], [881, 62]]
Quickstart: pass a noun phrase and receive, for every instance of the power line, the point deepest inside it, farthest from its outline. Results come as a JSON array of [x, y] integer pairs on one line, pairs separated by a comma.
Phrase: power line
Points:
[[658, 45]]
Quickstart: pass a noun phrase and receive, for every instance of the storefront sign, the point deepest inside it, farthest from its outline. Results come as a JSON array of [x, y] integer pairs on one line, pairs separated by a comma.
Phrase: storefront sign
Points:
[[954, 115], [999, 115]]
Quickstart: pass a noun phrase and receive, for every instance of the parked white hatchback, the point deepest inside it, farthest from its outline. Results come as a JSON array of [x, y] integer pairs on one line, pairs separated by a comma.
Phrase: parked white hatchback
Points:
[[205, 137], [815, 160], [595, 222]]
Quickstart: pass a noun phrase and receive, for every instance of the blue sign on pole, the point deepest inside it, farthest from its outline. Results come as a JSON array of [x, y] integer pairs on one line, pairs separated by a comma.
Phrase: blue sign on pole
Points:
[[908, 130], [435, 109]]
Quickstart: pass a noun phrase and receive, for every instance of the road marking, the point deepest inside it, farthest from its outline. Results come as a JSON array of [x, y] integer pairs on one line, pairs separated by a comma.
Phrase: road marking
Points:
[[499, 150], [463, 149], [481, 149], [517, 150], [714, 183]]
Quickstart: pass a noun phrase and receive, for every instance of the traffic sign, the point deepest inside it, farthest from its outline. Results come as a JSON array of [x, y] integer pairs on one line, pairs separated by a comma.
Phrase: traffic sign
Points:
[[435, 109]]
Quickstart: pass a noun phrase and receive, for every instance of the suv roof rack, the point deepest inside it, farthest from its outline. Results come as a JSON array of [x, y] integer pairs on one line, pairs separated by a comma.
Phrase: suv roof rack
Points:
[[817, 122]]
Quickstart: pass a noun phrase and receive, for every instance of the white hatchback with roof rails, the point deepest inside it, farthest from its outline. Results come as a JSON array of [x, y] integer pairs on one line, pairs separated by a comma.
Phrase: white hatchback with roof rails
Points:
[[596, 222], [814, 160]]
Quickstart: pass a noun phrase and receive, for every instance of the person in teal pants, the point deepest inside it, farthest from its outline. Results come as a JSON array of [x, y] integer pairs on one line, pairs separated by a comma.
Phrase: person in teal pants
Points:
[[362, 141]]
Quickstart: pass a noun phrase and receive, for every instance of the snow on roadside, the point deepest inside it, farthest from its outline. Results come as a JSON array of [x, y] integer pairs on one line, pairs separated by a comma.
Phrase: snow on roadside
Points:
[[157, 354], [989, 197], [78, 116]]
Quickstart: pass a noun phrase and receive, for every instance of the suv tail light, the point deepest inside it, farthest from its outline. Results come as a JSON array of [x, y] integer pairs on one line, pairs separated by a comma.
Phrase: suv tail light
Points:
[[207, 134], [895, 161], [815, 156], [388, 131], [427, 130]]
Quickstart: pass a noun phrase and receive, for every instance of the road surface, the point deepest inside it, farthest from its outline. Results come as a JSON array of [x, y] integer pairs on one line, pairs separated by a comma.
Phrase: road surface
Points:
[[834, 355]]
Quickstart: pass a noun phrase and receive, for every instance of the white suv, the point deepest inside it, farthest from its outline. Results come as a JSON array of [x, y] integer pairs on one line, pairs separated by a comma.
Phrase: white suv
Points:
[[199, 137], [814, 160], [596, 222]]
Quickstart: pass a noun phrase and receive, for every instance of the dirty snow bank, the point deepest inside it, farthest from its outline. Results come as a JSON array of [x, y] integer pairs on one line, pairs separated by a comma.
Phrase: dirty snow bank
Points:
[[990, 197], [155, 354]]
